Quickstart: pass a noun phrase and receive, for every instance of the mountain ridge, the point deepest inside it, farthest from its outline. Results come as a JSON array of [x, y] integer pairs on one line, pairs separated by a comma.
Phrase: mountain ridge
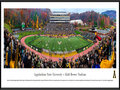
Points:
[[110, 13]]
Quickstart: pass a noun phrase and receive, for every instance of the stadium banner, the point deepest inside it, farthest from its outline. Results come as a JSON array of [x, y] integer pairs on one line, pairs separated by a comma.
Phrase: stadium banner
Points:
[[45, 58]]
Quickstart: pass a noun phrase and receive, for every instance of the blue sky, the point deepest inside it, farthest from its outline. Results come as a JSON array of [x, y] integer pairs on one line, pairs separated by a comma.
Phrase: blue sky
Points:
[[80, 10]]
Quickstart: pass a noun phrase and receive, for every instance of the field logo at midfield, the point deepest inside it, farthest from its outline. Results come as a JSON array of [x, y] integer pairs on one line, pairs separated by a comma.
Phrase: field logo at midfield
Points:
[[59, 42]]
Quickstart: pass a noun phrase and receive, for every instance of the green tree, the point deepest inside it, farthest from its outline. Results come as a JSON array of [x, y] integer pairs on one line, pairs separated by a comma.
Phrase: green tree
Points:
[[35, 17], [95, 24], [102, 24]]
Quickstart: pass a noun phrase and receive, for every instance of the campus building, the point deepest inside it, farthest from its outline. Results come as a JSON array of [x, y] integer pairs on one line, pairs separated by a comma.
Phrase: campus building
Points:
[[59, 24], [60, 17]]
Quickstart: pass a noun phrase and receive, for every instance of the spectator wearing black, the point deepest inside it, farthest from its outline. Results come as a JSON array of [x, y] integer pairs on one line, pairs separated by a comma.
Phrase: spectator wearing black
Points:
[[64, 63]]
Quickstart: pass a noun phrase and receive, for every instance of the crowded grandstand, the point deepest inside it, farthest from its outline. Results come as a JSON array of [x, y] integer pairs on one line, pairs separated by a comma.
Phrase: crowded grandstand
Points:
[[59, 44]]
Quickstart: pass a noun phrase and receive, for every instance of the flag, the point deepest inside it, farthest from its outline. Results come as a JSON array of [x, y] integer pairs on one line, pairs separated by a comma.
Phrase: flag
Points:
[[16, 57], [11, 50], [6, 62], [12, 64]]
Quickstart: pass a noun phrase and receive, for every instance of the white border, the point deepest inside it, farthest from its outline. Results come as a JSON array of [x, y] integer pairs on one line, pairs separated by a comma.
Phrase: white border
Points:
[[29, 73]]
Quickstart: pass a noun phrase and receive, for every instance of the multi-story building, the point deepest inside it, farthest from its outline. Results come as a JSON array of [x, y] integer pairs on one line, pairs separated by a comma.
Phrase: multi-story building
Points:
[[59, 23], [60, 17]]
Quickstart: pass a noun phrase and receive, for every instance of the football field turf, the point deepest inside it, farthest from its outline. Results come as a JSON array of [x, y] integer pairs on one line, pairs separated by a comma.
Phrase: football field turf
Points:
[[57, 44]]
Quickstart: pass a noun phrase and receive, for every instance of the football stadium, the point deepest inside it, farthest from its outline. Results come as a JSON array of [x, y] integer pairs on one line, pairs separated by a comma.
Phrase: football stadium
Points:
[[41, 38]]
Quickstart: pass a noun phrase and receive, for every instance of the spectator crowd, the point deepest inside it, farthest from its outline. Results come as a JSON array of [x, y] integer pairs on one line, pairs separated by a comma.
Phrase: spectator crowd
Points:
[[17, 56], [88, 35], [59, 29]]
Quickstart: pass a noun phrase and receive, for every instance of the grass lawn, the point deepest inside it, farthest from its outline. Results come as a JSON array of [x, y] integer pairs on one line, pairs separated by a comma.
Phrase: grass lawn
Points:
[[57, 44], [22, 34], [77, 32], [8, 27]]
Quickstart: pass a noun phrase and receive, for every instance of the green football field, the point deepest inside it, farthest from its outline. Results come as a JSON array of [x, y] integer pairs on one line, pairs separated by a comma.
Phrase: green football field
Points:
[[57, 44]]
